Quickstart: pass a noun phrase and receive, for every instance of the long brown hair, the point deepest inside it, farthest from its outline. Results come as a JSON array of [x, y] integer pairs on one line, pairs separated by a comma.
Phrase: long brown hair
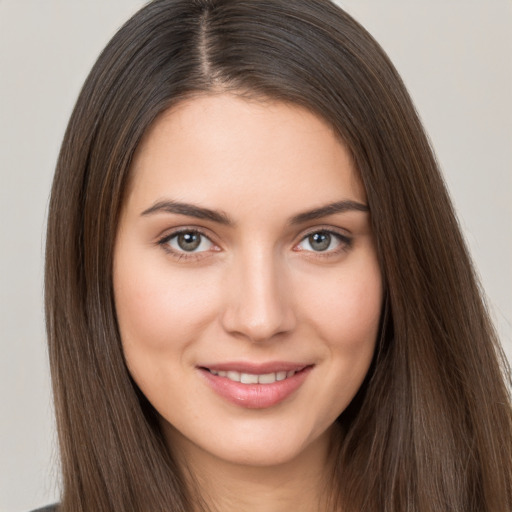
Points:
[[430, 429]]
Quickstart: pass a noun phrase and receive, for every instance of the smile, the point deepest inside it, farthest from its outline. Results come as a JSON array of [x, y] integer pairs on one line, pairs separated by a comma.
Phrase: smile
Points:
[[251, 378], [255, 387]]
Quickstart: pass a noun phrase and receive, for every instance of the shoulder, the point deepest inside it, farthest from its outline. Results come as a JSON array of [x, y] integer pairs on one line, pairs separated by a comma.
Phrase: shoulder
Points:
[[48, 508]]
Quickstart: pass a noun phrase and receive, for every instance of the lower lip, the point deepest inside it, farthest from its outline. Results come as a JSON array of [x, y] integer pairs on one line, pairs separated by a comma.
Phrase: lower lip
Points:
[[255, 396]]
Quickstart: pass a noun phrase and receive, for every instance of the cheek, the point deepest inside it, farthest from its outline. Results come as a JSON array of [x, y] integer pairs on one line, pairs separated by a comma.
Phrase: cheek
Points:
[[346, 310], [158, 309], [341, 312], [351, 323]]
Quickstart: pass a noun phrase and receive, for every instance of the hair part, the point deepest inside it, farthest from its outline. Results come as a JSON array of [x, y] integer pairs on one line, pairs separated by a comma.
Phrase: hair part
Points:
[[430, 429]]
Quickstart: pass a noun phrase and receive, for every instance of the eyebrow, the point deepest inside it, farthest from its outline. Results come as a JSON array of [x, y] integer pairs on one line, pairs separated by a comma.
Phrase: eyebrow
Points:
[[199, 212], [190, 210], [329, 209]]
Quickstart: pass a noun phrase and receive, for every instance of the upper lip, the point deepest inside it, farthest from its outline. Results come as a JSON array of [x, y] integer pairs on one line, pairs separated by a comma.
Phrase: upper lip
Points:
[[256, 368]]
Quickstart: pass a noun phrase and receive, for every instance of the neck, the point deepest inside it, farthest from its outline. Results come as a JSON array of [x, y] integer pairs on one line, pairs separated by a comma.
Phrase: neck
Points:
[[303, 484]]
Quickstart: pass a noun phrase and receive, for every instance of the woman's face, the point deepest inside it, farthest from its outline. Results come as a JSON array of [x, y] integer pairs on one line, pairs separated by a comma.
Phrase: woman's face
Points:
[[247, 286]]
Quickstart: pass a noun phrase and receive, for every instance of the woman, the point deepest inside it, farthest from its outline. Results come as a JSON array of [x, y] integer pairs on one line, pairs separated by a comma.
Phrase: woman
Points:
[[257, 293]]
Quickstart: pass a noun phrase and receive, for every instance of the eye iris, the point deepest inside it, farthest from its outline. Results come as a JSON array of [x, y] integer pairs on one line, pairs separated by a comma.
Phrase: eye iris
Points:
[[189, 241], [320, 241]]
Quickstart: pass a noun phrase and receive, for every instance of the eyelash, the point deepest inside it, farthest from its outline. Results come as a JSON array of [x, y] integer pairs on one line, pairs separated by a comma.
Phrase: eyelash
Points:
[[345, 243]]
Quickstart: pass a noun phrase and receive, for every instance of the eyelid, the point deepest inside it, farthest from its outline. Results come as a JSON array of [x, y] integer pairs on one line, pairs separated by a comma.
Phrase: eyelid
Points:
[[341, 232]]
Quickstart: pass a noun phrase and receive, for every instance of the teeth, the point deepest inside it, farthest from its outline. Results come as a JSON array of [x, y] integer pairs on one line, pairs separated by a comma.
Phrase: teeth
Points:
[[233, 376], [250, 378], [247, 378], [267, 378]]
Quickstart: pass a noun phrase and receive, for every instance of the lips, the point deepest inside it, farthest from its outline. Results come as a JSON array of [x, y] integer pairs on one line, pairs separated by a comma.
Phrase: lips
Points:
[[255, 386]]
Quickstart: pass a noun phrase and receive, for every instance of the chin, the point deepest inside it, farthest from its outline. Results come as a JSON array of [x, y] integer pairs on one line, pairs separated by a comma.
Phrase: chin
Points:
[[253, 445]]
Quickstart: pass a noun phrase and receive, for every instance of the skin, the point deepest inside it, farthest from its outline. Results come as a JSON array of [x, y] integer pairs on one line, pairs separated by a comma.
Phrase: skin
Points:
[[256, 290]]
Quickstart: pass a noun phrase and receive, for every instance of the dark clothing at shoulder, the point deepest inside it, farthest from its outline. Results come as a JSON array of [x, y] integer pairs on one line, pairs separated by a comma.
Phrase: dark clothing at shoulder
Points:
[[48, 508]]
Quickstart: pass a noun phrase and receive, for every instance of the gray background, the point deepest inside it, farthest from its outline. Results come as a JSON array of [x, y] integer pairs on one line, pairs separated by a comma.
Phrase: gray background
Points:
[[455, 57]]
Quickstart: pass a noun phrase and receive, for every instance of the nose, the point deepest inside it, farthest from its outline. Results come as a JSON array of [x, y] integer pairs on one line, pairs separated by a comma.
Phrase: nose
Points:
[[259, 300]]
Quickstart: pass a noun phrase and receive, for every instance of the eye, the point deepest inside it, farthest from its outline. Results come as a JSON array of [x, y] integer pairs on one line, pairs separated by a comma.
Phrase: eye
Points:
[[324, 241], [189, 241]]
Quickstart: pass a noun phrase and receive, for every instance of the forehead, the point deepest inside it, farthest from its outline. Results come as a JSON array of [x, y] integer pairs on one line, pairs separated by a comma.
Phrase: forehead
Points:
[[225, 149]]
